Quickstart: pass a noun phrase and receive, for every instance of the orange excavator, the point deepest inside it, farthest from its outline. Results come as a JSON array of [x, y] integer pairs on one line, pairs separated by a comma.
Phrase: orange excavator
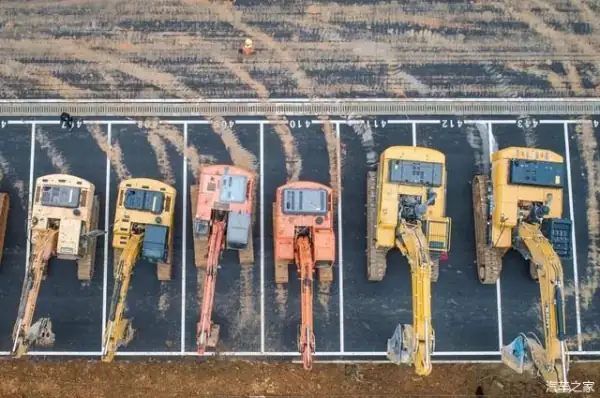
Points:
[[223, 206], [303, 228]]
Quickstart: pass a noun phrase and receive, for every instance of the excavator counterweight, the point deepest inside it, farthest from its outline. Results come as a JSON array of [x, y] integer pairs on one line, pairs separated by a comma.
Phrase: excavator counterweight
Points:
[[519, 206], [143, 228], [406, 205], [64, 222], [223, 215], [303, 228]]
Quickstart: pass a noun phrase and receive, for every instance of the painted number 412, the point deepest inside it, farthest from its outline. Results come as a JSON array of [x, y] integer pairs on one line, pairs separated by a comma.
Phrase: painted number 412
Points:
[[452, 123]]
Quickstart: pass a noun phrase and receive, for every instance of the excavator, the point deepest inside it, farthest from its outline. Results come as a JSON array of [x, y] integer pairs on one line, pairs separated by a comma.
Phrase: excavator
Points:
[[406, 206], [519, 206], [64, 222], [223, 209], [303, 227], [143, 227]]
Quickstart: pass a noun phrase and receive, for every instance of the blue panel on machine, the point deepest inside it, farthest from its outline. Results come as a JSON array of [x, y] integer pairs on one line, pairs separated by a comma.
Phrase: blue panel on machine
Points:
[[155, 242], [558, 232], [413, 172], [139, 199], [537, 173]]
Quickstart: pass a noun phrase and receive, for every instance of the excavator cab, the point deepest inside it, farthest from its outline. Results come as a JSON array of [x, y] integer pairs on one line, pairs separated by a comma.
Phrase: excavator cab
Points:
[[223, 215], [64, 222], [143, 227], [519, 206], [406, 206], [303, 227]]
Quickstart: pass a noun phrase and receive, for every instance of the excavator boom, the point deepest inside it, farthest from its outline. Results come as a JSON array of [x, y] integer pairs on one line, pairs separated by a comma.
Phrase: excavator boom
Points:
[[306, 265], [117, 326], [206, 330], [546, 267], [24, 333], [414, 343]]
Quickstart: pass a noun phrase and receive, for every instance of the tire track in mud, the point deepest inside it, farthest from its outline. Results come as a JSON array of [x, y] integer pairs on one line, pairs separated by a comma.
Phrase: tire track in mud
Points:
[[56, 157], [19, 185], [162, 158], [195, 160], [114, 153]]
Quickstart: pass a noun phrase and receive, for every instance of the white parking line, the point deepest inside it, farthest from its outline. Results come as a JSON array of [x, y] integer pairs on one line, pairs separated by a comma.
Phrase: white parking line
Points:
[[410, 121], [340, 236], [574, 241], [107, 231], [184, 236], [30, 196], [274, 354], [498, 289], [414, 134], [262, 236]]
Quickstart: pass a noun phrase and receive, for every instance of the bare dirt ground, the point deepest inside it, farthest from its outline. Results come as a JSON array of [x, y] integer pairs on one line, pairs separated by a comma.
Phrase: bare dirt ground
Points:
[[188, 49], [243, 379]]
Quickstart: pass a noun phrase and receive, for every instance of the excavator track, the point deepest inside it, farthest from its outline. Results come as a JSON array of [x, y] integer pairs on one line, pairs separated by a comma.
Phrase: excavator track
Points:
[[200, 244], [435, 270], [376, 257], [247, 254], [4, 206], [282, 267], [86, 264], [164, 270], [325, 273], [116, 257], [489, 260]]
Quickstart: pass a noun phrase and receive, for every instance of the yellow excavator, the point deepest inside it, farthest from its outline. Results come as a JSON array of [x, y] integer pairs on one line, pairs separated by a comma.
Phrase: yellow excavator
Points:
[[406, 206], [64, 221], [520, 207], [143, 226]]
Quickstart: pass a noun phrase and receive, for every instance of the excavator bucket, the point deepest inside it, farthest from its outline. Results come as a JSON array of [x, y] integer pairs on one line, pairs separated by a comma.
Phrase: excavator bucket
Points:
[[400, 346], [41, 333], [517, 354]]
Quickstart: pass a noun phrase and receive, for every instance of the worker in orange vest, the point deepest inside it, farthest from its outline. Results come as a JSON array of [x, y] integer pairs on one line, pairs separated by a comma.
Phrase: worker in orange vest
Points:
[[248, 48]]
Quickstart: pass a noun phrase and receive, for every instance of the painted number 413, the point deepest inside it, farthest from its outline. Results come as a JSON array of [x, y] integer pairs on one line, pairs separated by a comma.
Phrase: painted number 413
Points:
[[527, 123]]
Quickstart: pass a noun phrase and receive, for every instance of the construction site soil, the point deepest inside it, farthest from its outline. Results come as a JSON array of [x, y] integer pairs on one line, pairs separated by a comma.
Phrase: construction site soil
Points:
[[251, 379]]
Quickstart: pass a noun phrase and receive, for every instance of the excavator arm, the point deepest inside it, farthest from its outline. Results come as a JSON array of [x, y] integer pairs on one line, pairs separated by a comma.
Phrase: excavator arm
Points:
[[545, 265], [413, 344], [24, 334], [306, 266], [206, 330], [118, 329]]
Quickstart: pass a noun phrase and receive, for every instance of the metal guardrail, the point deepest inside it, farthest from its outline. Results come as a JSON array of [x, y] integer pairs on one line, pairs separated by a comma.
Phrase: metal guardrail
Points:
[[300, 107]]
